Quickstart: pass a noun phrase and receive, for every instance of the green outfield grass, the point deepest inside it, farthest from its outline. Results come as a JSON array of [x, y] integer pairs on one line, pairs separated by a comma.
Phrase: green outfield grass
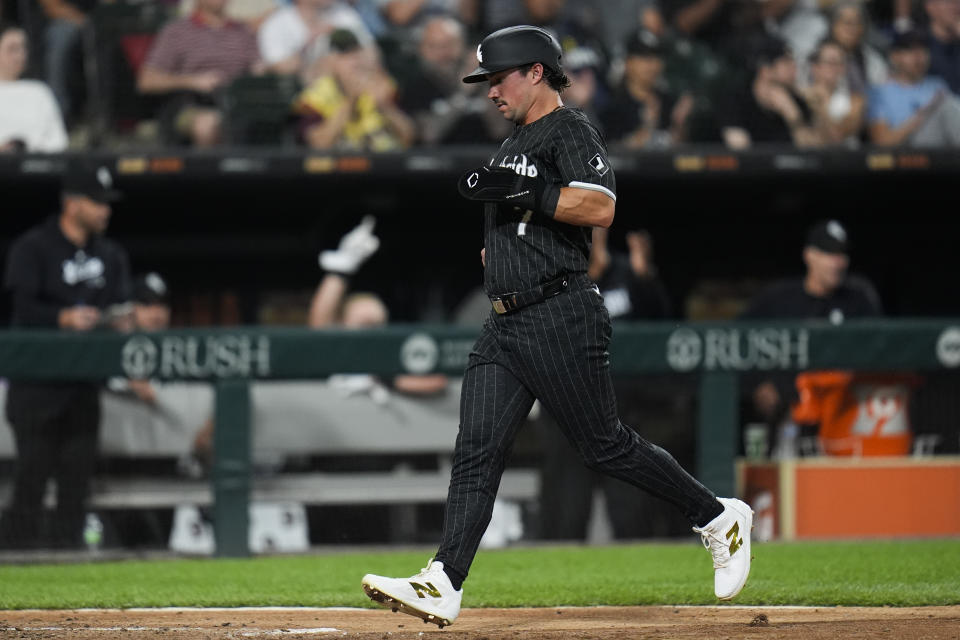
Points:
[[849, 573]]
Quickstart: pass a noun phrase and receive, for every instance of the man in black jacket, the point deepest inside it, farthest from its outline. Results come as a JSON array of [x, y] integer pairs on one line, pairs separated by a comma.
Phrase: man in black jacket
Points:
[[64, 275], [826, 292]]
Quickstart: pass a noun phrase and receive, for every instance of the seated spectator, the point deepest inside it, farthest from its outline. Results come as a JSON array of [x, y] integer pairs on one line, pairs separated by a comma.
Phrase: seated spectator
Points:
[[943, 38], [865, 64], [838, 111], [29, 117], [190, 60], [912, 108], [446, 110], [352, 106], [295, 37], [582, 66], [770, 109], [641, 114], [66, 20]]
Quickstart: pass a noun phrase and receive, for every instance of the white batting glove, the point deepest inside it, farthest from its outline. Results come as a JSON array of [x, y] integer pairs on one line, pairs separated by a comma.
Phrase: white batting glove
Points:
[[354, 249]]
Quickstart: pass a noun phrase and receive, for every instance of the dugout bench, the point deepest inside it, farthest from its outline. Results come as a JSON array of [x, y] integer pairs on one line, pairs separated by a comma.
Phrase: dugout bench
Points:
[[353, 418]]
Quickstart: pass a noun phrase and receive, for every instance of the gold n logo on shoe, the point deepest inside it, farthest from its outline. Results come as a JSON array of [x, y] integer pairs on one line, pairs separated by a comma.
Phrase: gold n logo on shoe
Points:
[[736, 542], [428, 588]]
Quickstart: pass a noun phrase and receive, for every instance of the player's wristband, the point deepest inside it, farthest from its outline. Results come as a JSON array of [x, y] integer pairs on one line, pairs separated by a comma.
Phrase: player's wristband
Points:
[[496, 184], [549, 199]]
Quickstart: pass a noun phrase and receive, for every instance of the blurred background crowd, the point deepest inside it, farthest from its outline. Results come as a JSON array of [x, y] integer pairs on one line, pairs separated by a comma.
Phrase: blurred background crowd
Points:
[[380, 75]]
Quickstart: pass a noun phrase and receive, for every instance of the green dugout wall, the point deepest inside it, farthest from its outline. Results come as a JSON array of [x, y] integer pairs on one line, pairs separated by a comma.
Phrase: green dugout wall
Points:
[[229, 358]]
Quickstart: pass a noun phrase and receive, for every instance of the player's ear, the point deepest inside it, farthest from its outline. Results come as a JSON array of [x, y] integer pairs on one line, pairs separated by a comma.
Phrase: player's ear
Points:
[[537, 71], [69, 204]]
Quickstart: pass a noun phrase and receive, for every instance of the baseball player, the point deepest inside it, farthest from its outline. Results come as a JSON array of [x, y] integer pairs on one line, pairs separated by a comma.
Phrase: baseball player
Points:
[[547, 335]]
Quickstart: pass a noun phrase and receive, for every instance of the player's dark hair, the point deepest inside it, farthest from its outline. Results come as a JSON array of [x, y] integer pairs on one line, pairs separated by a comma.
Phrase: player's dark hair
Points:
[[557, 80]]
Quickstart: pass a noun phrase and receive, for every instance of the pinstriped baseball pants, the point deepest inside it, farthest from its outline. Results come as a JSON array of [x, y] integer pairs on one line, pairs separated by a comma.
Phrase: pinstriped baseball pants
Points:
[[556, 352]]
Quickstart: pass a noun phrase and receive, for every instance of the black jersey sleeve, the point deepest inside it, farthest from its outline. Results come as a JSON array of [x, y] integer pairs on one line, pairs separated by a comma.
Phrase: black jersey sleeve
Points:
[[22, 281], [581, 157]]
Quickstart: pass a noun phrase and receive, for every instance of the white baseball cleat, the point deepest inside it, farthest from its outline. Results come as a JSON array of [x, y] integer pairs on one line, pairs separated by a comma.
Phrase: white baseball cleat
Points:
[[728, 538], [427, 595]]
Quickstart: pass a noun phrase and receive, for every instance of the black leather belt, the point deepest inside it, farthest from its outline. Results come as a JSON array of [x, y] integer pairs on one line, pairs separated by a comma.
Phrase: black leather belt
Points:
[[510, 302]]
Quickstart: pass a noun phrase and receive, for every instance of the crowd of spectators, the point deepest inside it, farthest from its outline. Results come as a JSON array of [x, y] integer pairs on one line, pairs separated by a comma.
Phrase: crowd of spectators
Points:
[[376, 75]]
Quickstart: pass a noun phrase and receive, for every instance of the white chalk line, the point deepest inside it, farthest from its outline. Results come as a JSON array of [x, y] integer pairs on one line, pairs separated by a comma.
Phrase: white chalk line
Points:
[[359, 609], [198, 609], [243, 632]]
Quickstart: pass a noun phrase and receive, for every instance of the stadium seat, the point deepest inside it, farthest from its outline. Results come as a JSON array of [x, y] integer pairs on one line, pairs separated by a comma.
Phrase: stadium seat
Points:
[[257, 110], [115, 46]]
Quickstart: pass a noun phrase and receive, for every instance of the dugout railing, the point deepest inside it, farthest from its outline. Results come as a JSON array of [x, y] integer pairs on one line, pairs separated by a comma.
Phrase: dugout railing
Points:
[[230, 358]]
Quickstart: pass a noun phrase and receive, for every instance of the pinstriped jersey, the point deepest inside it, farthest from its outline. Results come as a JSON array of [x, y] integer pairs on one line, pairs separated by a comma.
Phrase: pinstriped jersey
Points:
[[524, 249]]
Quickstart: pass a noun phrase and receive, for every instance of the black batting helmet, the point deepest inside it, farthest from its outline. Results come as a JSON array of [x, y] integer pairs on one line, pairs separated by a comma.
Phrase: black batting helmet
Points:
[[514, 47]]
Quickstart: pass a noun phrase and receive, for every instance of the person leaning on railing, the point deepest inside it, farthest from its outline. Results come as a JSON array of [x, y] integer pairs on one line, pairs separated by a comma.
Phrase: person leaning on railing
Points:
[[62, 274]]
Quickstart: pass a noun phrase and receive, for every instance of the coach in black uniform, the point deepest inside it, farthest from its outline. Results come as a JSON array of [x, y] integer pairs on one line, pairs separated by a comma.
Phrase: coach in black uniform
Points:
[[61, 274], [548, 333], [826, 291]]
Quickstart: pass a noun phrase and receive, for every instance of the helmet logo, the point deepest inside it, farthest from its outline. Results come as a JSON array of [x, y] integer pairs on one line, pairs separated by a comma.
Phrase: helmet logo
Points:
[[104, 178], [479, 54]]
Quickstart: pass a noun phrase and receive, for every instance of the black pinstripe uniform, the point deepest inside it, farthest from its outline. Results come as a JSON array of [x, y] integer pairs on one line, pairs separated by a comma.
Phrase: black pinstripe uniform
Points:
[[554, 350]]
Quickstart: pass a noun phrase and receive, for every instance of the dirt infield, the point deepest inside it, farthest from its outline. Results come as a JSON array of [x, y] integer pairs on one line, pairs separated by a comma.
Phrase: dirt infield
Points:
[[600, 623]]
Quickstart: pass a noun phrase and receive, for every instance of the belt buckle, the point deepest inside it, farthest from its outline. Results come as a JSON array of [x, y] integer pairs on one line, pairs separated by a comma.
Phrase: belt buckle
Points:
[[505, 303]]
